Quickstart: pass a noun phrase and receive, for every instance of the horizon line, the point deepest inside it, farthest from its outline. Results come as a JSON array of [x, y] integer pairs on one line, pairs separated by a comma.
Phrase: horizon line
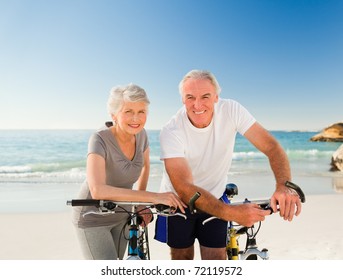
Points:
[[152, 129]]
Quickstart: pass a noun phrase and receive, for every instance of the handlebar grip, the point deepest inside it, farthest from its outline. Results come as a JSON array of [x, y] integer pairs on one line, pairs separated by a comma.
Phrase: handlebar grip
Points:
[[161, 207], [84, 202], [299, 191]]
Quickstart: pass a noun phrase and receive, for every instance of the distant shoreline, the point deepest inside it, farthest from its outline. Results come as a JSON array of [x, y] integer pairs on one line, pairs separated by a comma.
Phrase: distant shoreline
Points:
[[147, 129]]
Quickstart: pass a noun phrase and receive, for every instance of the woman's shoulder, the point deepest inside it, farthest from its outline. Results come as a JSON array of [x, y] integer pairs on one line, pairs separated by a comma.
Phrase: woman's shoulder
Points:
[[100, 136], [103, 132], [142, 134]]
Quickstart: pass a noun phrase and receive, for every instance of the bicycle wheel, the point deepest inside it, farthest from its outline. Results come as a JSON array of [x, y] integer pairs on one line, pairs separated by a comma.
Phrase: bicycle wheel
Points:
[[133, 258], [229, 254], [143, 245]]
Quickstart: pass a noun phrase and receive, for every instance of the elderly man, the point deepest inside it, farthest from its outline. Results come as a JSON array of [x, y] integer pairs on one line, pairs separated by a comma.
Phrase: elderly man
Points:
[[197, 147]]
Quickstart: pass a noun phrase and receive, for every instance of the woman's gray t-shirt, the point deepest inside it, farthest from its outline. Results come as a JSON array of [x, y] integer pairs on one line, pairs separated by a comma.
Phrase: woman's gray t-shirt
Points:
[[120, 172]]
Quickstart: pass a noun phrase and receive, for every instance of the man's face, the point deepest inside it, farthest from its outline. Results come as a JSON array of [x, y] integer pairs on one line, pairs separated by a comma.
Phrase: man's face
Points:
[[199, 97]]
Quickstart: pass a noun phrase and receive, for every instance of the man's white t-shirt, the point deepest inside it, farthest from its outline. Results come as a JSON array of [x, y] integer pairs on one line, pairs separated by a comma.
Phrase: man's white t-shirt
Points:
[[208, 150]]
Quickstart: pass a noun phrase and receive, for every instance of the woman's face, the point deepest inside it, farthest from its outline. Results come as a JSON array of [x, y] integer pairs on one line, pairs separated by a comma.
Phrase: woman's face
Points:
[[132, 117]]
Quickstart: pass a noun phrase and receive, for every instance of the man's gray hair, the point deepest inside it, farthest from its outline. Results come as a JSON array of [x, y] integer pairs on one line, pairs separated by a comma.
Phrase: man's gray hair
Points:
[[200, 75]]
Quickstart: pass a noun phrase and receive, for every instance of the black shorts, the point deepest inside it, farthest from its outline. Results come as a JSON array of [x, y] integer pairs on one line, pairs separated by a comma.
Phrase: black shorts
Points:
[[181, 233]]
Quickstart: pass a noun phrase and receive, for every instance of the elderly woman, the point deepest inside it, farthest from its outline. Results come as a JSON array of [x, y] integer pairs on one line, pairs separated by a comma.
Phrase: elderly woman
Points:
[[118, 158]]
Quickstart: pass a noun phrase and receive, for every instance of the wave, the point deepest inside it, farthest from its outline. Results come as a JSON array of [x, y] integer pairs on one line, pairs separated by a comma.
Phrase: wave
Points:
[[47, 172], [76, 170], [248, 155], [15, 169], [313, 153], [42, 167], [251, 155], [292, 154]]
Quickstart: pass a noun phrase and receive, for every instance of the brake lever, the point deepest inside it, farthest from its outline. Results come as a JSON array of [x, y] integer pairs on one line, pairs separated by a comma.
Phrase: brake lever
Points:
[[267, 207]]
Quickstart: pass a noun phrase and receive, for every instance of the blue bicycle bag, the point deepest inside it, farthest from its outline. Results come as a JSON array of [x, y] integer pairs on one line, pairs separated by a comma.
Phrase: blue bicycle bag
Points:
[[161, 229]]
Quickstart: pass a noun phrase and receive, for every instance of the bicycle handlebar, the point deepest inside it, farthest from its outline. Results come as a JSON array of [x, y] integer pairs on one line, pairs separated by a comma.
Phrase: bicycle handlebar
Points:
[[263, 203], [84, 202], [111, 205], [104, 203]]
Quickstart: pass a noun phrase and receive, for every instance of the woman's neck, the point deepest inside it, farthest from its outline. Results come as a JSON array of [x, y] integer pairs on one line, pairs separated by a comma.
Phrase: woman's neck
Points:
[[121, 136]]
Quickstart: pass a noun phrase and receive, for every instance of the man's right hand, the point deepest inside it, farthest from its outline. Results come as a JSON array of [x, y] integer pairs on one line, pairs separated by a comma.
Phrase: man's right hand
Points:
[[248, 214]]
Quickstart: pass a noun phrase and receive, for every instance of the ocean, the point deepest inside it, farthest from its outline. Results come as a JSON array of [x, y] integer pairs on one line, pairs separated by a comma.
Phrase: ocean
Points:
[[41, 168]]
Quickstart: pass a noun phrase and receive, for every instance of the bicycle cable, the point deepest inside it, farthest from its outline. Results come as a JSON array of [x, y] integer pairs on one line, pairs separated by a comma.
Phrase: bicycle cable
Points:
[[122, 232], [132, 215]]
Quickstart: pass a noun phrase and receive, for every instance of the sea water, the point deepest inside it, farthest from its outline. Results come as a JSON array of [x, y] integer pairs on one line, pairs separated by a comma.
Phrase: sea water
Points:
[[41, 168]]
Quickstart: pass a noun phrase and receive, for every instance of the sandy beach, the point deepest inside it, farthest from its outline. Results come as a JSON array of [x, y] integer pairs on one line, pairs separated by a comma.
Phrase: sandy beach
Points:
[[315, 235], [35, 221]]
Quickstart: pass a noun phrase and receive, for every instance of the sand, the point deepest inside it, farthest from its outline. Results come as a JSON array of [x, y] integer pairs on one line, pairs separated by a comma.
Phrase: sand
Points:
[[315, 235]]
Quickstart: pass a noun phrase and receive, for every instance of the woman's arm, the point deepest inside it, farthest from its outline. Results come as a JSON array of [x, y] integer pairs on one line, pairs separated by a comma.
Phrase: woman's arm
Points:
[[96, 176], [142, 181]]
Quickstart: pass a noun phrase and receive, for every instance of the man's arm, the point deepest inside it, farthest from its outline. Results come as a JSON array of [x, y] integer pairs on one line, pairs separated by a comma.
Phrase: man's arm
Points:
[[181, 178], [289, 203]]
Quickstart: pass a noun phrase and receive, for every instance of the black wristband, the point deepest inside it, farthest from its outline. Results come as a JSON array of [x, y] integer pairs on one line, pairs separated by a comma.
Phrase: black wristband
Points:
[[295, 187]]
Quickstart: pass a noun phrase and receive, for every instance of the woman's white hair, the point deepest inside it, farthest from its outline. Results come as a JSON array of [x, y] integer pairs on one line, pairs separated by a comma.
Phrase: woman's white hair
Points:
[[121, 94]]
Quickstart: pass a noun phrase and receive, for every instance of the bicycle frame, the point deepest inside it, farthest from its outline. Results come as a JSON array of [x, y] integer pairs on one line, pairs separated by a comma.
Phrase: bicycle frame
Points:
[[138, 243], [232, 248], [251, 251]]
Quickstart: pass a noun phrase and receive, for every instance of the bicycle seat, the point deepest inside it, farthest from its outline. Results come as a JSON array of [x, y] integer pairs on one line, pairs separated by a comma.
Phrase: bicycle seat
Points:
[[231, 189]]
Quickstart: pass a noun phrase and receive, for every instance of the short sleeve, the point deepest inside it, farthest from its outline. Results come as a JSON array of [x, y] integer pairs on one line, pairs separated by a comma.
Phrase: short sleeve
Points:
[[145, 140], [96, 145], [171, 144], [242, 117]]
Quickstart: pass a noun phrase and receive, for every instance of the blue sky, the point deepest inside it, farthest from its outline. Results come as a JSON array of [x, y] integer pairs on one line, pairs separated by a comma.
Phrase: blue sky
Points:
[[283, 60]]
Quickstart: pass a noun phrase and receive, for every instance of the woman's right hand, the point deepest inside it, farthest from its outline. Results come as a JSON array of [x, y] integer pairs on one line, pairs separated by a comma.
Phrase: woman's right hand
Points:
[[172, 200]]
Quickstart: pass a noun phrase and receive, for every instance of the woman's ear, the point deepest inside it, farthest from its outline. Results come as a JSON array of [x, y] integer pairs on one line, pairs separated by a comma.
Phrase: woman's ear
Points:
[[114, 119]]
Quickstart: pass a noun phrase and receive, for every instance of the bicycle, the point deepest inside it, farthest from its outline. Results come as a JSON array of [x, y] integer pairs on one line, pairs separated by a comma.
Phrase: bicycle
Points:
[[234, 231], [138, 240]]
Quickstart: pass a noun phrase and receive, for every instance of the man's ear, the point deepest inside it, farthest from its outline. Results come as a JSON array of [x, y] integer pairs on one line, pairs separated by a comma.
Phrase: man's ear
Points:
[[216, 98]]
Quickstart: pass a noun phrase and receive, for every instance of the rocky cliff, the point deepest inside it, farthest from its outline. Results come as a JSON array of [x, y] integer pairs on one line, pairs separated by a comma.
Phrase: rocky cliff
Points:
[[337, 160], [333, 133]]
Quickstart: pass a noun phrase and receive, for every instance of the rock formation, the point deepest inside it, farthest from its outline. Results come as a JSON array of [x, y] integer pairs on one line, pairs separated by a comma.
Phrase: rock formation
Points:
[[333, 133], [337, 160]]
